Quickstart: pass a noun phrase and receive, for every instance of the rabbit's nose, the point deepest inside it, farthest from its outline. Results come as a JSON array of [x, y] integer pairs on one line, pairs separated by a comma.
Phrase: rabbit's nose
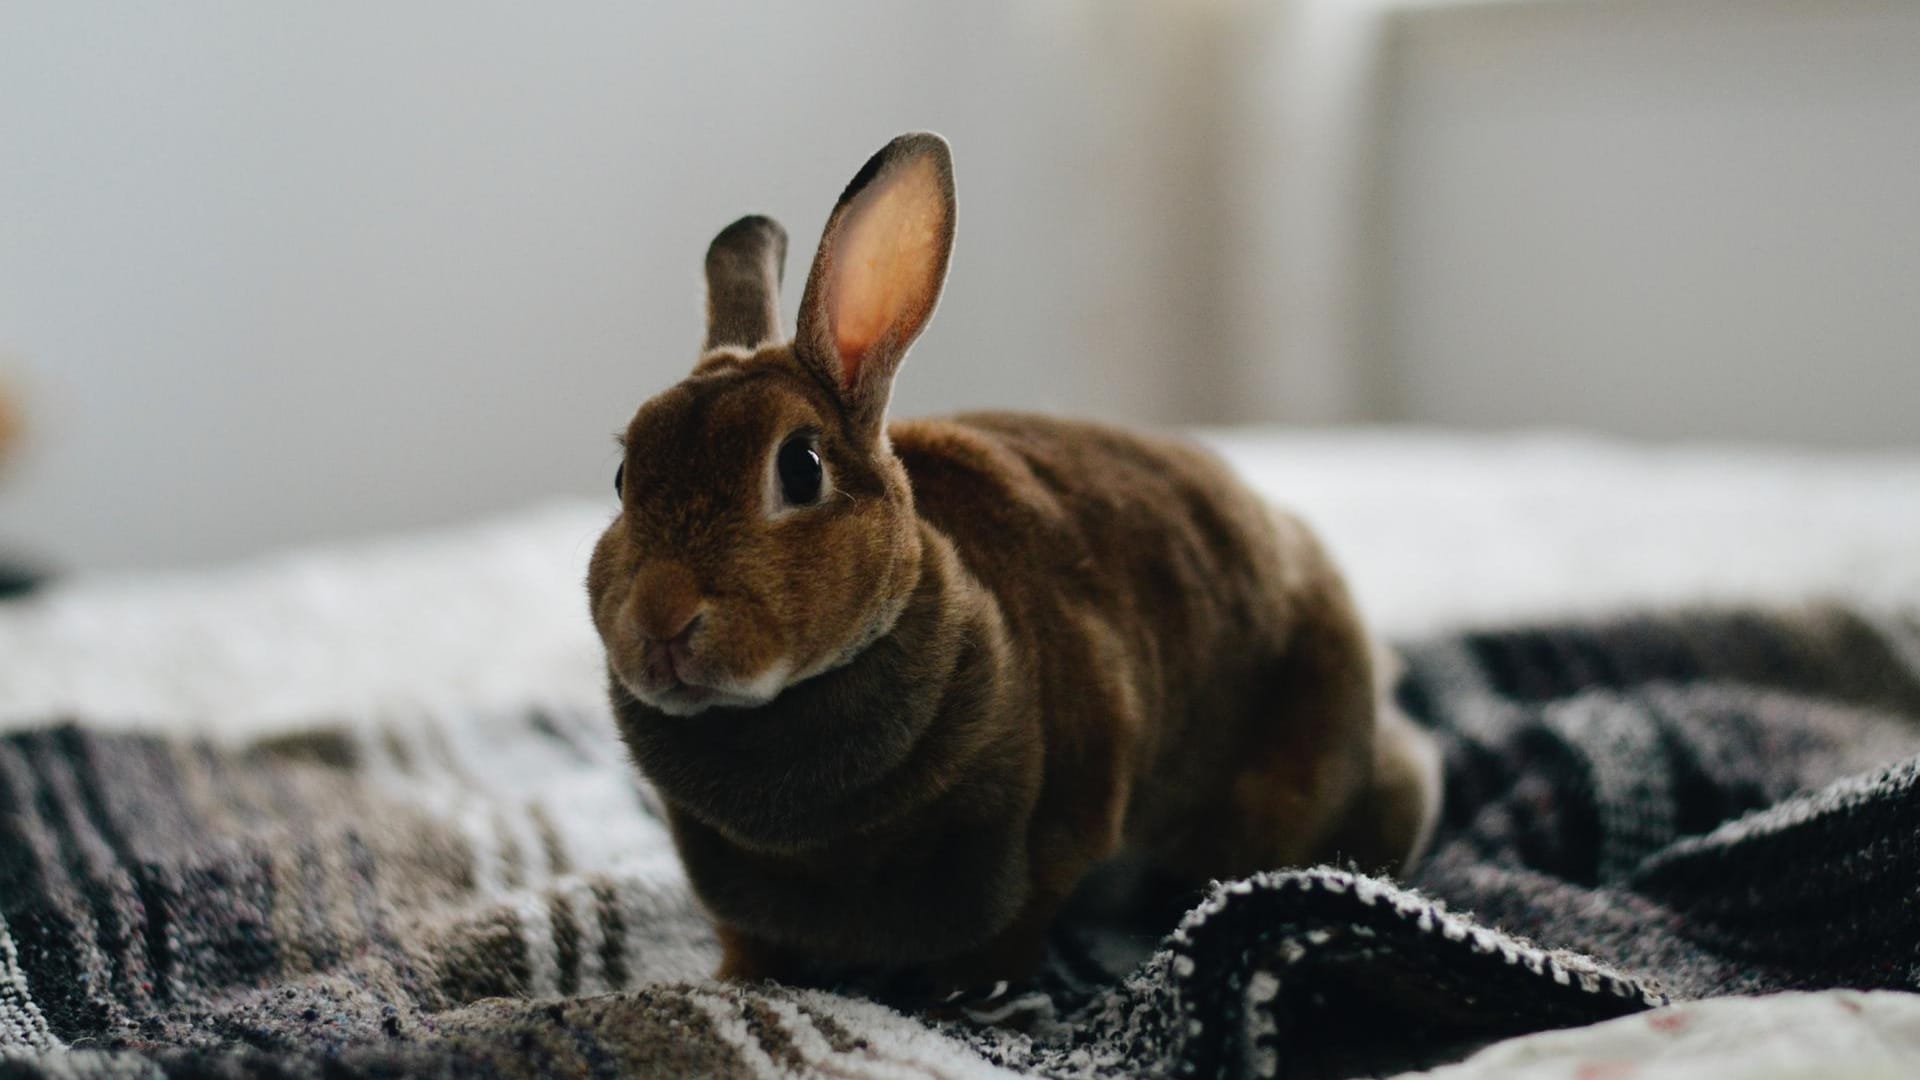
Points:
[[679, 647], [680, 637], [667, 605]]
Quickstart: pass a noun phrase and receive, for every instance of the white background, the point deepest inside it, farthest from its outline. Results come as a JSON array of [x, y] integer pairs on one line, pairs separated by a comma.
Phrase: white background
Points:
[[271, 274]]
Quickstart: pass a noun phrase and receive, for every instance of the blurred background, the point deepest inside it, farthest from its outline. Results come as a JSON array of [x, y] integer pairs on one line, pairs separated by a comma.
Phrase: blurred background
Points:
[[276, 273]]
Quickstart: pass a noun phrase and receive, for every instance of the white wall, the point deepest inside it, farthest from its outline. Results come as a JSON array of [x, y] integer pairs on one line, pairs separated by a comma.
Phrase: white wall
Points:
[[1673, 220], [271, 273], [274, 273]]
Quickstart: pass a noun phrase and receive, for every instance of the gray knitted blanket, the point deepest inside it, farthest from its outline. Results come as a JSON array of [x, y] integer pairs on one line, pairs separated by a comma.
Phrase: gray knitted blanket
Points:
[[1666, 806]]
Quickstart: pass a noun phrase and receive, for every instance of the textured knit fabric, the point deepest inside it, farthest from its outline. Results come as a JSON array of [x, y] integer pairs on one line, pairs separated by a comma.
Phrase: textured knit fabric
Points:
[[1663, 807]]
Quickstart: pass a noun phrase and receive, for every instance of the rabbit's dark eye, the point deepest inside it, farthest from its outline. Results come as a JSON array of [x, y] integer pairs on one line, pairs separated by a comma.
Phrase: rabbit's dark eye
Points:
[[798, 466], [620, 480]]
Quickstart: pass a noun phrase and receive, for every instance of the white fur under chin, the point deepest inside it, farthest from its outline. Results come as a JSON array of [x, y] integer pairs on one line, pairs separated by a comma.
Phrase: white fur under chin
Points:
[[749, 694]]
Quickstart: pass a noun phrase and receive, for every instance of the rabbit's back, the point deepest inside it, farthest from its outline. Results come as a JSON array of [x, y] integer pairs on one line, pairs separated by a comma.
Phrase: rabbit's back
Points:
[[1170, 616]]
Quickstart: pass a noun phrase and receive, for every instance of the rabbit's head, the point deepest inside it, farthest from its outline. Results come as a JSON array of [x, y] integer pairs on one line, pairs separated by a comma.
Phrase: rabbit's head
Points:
[[766, 531]]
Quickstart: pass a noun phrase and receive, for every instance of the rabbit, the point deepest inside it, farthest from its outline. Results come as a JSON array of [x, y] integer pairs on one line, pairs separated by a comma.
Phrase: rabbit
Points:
[[901, 686]]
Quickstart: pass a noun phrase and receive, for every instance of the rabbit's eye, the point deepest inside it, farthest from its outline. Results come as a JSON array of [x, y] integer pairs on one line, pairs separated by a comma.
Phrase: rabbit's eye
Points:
[[620, 480], [798, 466]]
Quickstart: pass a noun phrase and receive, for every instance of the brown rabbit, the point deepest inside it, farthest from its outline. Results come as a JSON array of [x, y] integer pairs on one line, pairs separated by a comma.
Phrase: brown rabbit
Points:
[[901, 686]]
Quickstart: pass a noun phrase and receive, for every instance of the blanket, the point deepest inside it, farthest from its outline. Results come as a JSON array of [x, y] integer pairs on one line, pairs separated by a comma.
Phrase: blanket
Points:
[[1638, 810]]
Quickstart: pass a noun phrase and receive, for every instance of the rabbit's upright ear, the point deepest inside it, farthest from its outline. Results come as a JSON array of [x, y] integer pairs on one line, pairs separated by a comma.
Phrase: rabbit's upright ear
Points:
[[744, 265], [877, 277]]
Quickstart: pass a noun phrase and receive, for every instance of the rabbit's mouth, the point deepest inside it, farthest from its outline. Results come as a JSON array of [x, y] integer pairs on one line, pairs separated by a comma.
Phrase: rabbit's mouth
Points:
[[669, 686], [678, 699]]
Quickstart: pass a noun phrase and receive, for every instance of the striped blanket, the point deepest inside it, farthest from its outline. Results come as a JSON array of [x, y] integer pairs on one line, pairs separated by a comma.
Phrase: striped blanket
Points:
[[1640, 809]]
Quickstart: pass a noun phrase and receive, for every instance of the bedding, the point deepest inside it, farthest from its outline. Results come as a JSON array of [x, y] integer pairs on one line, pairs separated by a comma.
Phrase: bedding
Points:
[[387, 767]]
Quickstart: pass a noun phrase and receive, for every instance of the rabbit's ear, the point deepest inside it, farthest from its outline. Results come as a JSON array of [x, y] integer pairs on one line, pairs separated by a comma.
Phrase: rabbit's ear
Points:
[[744, 266], [882, 260]]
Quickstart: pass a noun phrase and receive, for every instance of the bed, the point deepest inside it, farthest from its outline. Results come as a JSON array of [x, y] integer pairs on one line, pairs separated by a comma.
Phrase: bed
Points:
[[451, 638]]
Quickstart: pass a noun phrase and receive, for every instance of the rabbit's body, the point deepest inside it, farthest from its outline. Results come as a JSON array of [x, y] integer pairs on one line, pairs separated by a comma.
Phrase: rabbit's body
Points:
[[897, 723]]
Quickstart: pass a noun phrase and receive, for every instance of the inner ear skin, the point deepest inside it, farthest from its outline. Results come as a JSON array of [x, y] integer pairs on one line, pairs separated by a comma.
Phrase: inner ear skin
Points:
[[896, 232], [877, 276]]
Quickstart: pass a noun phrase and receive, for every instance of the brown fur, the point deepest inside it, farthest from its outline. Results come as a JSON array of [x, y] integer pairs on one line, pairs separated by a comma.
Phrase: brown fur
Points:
[[1017, 645]]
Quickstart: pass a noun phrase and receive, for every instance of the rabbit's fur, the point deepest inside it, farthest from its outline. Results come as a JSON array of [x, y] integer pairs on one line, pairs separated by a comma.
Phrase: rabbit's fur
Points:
[[896, 726]]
